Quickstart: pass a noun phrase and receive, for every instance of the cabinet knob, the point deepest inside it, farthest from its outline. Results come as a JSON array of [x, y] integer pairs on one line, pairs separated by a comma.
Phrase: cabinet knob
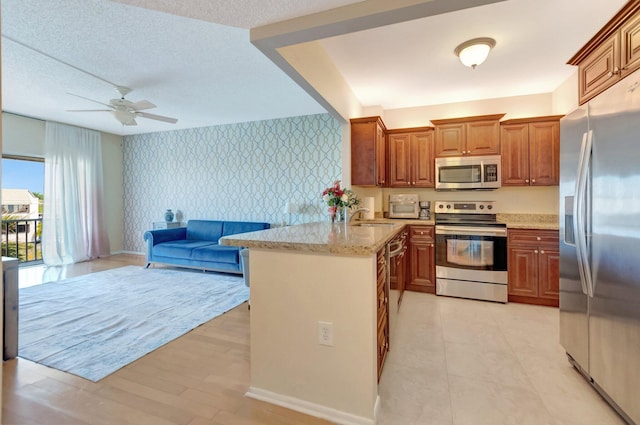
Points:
[[542, 251], [533, 180], [535, 251], [538, 238], [526, 181], [431, 245]]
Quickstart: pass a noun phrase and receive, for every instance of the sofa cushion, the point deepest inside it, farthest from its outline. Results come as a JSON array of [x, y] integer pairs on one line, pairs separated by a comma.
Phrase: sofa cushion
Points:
[[179, 249], [204, 230], [219, 253], [235, 227]]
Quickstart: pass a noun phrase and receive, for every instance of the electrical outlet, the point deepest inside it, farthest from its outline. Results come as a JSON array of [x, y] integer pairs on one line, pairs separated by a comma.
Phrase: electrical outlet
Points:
[[325, 333]]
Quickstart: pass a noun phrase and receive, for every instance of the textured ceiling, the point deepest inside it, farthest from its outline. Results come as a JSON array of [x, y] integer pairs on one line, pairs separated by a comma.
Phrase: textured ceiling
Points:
[[199, 72], [193, 58], [240, 13]]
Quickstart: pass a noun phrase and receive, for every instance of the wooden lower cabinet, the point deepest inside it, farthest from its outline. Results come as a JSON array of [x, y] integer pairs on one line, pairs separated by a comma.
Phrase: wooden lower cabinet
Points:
[[383, 311], [422, 266], [534, 266]]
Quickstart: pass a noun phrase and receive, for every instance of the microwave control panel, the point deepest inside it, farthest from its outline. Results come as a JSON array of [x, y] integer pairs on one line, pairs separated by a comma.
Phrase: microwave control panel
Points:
[[491, 172]]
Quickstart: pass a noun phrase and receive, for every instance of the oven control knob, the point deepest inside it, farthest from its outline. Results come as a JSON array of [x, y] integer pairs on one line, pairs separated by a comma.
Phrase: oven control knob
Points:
[[489, 207], [481, 207], [448, 206], [440, 206]]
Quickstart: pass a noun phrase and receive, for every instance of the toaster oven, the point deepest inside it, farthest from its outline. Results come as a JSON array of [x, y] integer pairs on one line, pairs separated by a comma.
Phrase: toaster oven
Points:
[[404, 206]]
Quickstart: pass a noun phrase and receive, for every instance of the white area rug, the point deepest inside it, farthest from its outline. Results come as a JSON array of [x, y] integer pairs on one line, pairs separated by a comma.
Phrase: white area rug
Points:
[[95, 324]]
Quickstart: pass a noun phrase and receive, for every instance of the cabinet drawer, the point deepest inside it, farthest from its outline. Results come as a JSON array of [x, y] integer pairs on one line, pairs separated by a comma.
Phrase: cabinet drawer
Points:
[[425, 233], [533, 237]]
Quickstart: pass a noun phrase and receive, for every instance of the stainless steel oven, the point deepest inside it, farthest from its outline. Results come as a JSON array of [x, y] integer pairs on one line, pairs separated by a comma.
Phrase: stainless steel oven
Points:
[[471, 251]]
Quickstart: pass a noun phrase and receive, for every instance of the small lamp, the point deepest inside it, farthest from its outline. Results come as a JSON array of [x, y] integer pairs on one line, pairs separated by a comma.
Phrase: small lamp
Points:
[[473, 52]]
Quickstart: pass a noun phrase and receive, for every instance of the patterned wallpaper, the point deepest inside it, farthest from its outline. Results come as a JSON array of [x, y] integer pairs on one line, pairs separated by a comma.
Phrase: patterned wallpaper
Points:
[[245, 171]]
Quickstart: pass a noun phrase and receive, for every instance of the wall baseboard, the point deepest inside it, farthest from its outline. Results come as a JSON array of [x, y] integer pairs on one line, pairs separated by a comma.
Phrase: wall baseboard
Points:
[[128, 252], [313, 409]]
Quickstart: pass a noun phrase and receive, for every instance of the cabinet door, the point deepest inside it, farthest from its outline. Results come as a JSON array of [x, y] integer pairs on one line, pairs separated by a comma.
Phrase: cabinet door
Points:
[[483, 138], [544, 151], [450, 139], [381, 157], [549, 264], [630, 46], [400, 160], [422, 265], [422, 159], [363, 154], [523, 271], [600, 69], [514, 150]]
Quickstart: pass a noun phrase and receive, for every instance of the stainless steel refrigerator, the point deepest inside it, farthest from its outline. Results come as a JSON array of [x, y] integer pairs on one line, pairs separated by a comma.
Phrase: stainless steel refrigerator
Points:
[[600, 243]]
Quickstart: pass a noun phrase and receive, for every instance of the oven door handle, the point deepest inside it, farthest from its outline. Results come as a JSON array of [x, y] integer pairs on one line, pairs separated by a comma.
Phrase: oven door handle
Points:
[[470, 231]]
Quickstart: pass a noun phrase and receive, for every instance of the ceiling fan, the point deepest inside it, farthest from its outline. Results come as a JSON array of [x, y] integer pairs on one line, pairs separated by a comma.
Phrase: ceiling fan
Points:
[[124, 110]]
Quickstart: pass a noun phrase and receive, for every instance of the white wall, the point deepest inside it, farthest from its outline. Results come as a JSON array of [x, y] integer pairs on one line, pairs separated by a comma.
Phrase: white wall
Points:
[[513, 107], [25, 136]]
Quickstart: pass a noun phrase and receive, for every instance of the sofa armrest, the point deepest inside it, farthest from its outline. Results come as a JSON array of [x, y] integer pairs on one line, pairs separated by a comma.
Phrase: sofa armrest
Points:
[[154, 237]]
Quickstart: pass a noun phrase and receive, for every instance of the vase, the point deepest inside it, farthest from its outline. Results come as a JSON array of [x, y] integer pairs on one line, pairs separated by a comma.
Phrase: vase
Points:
[[333, 213], [168, 216]]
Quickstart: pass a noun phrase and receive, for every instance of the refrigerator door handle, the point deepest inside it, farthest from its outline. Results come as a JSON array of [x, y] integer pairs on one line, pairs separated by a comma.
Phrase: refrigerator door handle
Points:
[[580, 214]]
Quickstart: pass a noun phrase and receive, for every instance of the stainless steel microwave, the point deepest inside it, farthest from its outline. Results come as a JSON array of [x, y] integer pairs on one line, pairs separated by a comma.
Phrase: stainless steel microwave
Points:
[[468, 172]]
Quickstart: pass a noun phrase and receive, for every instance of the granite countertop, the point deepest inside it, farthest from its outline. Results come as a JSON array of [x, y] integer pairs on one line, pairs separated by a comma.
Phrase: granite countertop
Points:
[[358, 238], [320, 237], [530, 221]]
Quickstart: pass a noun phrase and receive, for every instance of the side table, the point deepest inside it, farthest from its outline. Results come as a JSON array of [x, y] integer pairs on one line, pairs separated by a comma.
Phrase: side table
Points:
[[165, 225]]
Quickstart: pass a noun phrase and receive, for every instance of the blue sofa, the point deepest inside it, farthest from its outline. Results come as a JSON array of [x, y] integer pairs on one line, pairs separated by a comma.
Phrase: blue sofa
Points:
[[197, 245]]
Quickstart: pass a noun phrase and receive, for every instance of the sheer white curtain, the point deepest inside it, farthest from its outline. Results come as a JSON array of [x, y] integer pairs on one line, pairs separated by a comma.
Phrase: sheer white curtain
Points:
[[73, 227]]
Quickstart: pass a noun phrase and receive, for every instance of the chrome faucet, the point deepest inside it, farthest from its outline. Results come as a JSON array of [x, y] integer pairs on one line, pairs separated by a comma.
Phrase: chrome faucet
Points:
[[353, 214]]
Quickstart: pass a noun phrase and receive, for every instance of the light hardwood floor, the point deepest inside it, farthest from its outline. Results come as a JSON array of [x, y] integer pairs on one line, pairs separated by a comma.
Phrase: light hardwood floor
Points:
[[197, 379]]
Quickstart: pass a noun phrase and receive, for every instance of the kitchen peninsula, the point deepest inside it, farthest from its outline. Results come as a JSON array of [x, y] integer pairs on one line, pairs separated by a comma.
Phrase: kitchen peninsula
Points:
[[314, 317]]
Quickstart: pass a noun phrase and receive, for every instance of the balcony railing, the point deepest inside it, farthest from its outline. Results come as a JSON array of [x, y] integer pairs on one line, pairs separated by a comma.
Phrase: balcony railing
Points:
[[21, 239]]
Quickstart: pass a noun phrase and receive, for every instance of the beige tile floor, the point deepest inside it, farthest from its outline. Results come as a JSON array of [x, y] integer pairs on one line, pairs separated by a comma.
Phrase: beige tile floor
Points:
[[465, 362]]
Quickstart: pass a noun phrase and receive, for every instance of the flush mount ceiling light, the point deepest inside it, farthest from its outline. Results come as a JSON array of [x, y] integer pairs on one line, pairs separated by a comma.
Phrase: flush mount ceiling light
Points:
[[473, 52]]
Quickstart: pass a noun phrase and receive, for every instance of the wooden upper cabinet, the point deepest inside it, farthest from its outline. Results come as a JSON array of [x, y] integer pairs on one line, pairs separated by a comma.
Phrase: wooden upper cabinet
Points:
[[514, 151], [411, 160], [399, 160], [600, 70], [530, 151], [478, 135], [450, 139], [544, 153], [630, 46], [612, 54], [368, 151], [422, 147]]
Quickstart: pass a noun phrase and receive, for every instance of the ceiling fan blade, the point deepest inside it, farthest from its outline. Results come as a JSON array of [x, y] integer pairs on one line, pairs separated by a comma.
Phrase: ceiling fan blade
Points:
[[91, 100], [132, 122], [89, 110], [142, 104], [157, 117]]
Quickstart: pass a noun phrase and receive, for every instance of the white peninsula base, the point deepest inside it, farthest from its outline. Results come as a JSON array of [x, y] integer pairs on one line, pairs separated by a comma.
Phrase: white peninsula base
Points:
[[291, 292]]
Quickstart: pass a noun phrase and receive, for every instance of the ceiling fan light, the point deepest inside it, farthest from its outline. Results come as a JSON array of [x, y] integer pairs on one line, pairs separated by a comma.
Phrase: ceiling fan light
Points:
[[474, 52], [125, 118]]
